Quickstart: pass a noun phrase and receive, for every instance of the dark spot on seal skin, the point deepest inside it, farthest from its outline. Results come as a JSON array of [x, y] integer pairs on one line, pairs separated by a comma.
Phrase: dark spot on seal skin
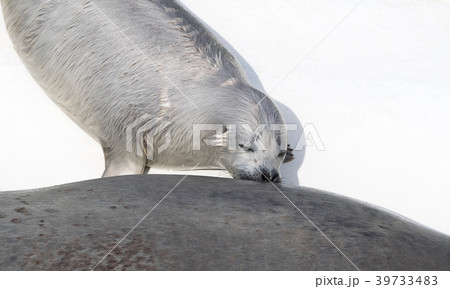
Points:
[[24, 202], [41, 221], [41, 225], [21, 210], [41, 235], [76, 225], [16, 221], [126, 207], [90, 190], [51, 210], [113, 207]]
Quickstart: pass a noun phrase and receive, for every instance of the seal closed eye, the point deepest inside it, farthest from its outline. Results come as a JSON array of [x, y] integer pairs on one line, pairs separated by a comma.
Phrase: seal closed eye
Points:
[[148, 82]]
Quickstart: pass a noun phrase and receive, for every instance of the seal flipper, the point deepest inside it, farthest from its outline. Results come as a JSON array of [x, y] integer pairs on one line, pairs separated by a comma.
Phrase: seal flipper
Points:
[[146, 170], [123, 163]]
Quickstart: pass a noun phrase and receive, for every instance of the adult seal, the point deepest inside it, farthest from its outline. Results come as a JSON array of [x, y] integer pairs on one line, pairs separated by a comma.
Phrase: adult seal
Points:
[[151, 84]]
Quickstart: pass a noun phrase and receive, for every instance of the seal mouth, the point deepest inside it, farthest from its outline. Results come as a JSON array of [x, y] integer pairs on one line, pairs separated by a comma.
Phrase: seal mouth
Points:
[[273, 179], [261, 176], [273, 176]]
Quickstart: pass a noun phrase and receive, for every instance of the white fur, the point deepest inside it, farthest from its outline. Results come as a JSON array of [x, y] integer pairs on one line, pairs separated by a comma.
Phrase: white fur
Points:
[[108, 64]]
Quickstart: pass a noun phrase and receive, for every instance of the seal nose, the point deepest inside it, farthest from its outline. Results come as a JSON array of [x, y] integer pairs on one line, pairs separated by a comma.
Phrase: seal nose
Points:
[[272, 176], [275, 177]]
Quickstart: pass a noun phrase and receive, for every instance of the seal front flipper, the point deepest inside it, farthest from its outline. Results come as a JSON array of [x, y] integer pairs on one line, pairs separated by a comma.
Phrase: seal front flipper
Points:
[[123, 163]]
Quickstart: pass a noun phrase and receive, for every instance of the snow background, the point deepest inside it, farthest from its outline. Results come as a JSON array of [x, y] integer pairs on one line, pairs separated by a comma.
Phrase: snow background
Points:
[[369, 79]]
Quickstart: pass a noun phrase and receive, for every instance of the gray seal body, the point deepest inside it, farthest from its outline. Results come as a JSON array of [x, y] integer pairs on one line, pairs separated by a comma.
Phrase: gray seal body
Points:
[[207, 224], [149, 83]]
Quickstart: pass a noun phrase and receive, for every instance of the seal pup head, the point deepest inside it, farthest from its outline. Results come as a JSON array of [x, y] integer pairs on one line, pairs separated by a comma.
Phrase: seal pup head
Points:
[[259, 153], [255, 146]]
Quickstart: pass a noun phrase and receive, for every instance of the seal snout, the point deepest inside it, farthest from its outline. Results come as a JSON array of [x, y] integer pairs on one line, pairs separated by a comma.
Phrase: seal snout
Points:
[[272, 176]]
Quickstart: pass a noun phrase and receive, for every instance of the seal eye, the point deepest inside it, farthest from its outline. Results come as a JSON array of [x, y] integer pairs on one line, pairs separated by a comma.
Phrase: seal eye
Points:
[[248, 149]]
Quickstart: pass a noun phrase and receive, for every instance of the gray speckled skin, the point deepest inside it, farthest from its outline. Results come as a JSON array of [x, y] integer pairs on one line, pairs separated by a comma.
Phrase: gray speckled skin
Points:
[[206, 224]]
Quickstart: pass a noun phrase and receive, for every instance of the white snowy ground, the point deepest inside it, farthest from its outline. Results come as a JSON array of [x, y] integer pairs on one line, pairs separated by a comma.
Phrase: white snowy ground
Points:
[[369, 80]]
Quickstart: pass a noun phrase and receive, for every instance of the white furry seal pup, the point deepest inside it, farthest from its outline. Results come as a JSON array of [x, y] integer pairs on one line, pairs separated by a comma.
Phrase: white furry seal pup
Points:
[[146, 74]]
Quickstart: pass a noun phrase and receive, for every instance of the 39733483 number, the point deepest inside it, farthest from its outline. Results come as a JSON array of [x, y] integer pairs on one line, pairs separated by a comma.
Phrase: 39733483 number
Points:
[[407, 280]]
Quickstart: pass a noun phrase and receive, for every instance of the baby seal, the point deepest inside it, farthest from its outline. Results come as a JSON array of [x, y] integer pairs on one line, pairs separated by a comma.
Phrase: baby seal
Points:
[[151, 84]]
